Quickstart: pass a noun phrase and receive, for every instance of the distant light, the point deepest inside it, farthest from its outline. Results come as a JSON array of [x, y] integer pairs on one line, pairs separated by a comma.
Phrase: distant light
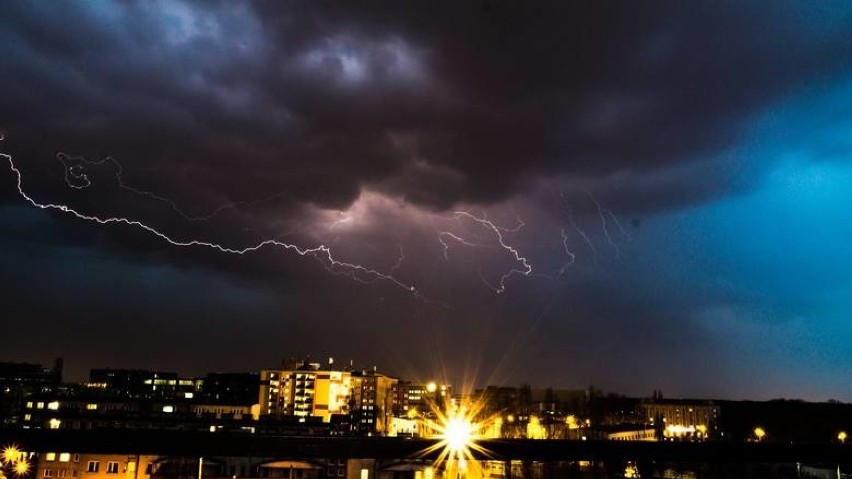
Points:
[[22, 467], [11, 454], [168, 409], [431, 387], [841, 436]]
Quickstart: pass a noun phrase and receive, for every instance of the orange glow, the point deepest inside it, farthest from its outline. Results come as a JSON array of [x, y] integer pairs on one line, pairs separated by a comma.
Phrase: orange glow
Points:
[[459, 433]]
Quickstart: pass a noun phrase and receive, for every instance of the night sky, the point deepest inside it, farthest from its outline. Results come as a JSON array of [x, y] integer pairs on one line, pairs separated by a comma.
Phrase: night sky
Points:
[[634, 195]]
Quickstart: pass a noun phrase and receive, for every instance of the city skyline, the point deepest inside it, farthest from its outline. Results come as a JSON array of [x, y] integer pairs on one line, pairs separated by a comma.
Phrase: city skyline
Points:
[[643, 197]]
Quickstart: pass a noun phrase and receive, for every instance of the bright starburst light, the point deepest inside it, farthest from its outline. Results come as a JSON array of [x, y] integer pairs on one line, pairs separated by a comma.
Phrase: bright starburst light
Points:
[[458, 430], [15, 459]]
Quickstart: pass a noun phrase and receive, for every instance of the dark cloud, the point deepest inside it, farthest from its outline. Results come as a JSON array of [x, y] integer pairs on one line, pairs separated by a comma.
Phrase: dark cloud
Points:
[[438, 103], [577, 128]]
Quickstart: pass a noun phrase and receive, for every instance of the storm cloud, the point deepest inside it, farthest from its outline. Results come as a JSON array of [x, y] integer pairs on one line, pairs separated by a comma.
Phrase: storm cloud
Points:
[[590, 134]]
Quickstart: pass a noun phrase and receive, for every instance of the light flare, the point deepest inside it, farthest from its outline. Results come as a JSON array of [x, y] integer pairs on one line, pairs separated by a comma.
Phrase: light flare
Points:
[[11, 454], [16, 459], [22, 468], [458, 432]]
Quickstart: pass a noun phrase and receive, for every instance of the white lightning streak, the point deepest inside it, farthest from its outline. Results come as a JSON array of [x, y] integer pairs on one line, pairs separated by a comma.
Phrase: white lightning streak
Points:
[[618, 224], [321, 253], [517, 228], [587, 241], [602, 214], [456, 237], [488, 224], [399, 261], [571, 256], [78, 172]]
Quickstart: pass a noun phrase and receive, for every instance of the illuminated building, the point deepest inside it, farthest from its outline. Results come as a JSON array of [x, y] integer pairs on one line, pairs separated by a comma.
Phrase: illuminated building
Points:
[[20, 380], [633, 435], [305, 391], [71, 465], [684, 420], [142, 383], [372, 402]]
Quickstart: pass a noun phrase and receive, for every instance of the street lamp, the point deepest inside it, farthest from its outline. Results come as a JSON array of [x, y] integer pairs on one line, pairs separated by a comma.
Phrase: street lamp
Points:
[[759, 433], [841, 436]]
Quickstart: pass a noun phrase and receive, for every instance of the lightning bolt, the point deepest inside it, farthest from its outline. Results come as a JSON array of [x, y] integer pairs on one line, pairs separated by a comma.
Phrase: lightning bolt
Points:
[[76, 177], [576, 227], [399, 261], [527, 268], [602, 215], [455, 237], [618, 224], [321, 253], [571, 256], [587, 241], [518, 220]]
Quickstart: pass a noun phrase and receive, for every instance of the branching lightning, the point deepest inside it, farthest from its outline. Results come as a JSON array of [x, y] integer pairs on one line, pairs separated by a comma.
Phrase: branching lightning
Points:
[[571, 256], [455, 237], [399, 261], [604, 227], [321, 253], [527, 268], [517, 228], [76, 177], [588, 242]]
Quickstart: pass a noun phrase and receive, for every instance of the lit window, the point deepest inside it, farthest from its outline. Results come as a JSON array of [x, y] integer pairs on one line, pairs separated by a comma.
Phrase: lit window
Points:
[[54, 423], [50, 456], [168, 409], [27, 417], [64, 457], [112, 467], [93, 466], [131, 467], [39, 405], [29, 404], [91, 406], [188, 395], [53, 405]]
